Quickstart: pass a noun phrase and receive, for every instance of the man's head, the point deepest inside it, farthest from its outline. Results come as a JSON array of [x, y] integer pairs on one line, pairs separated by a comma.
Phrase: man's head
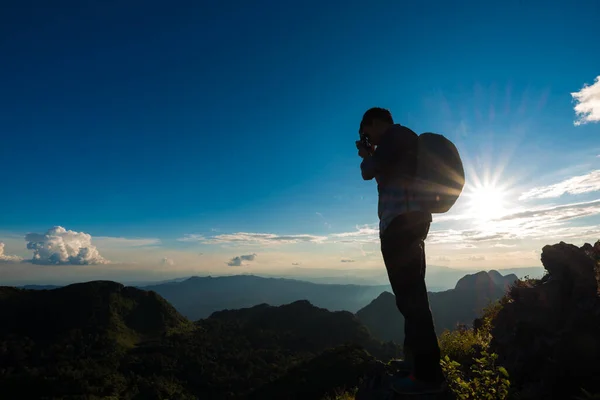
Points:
[[374, 124]]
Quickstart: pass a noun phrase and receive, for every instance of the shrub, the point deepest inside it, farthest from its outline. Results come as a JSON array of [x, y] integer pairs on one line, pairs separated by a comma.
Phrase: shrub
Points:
[[469, 365], [343, 395], [484, 379]]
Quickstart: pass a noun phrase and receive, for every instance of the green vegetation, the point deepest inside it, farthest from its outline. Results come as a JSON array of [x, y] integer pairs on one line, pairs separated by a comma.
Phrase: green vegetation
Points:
[[342, 395], [467, 361], [484, 380], [101, 340], [469, 365]]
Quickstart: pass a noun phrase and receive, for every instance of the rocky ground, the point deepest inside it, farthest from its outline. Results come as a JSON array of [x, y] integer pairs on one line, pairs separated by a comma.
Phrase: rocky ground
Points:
[[548, 333]]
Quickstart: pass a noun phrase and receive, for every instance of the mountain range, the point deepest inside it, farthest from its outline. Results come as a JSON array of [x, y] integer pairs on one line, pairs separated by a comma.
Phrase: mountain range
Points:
[[437, 277], [198, 297], [103, 340]]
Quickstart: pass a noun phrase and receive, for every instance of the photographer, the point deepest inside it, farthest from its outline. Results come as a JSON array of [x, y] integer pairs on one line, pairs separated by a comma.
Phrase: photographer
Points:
[[389, 153]]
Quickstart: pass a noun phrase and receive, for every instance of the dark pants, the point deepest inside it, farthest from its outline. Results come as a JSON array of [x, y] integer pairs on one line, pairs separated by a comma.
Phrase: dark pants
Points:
[[403, 250]]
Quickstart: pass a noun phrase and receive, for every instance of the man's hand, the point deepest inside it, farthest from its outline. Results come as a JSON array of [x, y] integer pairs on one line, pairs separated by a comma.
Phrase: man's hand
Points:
[[362, 150]]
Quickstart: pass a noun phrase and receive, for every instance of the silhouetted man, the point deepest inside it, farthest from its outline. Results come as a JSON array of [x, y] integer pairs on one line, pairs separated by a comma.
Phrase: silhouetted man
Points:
[[403, 228]]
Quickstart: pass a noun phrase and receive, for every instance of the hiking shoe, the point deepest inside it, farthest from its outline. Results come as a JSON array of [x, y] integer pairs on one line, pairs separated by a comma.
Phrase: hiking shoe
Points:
[[411, 385]]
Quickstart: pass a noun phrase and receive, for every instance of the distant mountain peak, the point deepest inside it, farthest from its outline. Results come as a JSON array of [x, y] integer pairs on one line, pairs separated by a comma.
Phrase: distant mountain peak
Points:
[[494, 274], [99, 285], [385, 295], [301, 303], [471, 281], [483, 279]]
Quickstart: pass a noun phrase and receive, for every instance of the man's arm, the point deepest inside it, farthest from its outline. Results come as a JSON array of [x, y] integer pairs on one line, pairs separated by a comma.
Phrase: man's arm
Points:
[[395, 145]]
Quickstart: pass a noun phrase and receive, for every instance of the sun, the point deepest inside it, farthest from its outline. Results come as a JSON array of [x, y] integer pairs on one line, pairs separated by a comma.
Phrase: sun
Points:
[[487, 202]]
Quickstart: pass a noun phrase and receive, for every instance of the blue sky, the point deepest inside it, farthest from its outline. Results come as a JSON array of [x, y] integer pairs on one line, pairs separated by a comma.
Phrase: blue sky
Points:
[[180, 136]]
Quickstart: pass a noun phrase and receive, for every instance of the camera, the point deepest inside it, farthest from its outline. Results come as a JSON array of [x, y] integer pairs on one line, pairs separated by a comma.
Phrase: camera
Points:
[[364, 139]]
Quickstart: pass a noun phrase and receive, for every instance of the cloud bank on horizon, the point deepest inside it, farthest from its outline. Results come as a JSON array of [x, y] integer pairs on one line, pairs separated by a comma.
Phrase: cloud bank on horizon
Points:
[[4, 258], [539, 222]]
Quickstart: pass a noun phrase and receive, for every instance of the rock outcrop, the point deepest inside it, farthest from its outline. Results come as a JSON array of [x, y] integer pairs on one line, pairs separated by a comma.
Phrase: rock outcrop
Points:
[[548, 333], [503, 280]]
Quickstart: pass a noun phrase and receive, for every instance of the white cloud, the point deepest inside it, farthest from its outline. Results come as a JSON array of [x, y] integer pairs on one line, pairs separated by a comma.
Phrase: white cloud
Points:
[[264, 239], [587, 103], [533, 223], [61, 246], [467, 235], [576, 185], [559, 213], [167, 261], [541, 223], [239, 260], [450, 217], [5, 259], [192, 238], [362, 234], [107, 241], [465, 246]]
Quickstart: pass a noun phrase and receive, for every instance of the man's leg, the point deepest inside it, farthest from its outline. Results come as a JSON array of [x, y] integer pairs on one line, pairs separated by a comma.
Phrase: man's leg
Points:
[[403, 252], [409, 331]]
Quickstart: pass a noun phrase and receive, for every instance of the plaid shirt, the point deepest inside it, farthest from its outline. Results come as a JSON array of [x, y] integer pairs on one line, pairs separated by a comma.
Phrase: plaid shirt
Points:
[[392, 164]]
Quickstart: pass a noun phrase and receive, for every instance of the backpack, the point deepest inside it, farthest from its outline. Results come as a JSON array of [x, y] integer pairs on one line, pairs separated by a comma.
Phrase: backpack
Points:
[[440, 176]]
